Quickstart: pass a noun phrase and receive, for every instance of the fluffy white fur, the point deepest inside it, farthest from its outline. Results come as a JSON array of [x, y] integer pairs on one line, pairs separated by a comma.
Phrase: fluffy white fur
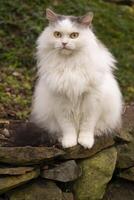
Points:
[[76, 96]]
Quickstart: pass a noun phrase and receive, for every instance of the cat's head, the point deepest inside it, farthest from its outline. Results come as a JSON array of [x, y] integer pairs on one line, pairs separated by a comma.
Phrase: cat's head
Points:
[[66, 34]]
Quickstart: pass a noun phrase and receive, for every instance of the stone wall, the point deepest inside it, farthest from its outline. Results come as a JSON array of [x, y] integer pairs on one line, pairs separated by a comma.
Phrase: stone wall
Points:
[[42, 170]]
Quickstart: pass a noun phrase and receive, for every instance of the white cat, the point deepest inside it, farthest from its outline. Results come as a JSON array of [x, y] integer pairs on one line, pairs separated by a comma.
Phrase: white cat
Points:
[[76, 96]]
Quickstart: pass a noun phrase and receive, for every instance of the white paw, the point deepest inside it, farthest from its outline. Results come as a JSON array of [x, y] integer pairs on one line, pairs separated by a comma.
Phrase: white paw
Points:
[[87, 141], [68, 141]]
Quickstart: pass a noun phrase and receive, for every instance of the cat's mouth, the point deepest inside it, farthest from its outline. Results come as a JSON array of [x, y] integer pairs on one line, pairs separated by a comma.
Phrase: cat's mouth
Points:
[[66, 48], [66, 51]]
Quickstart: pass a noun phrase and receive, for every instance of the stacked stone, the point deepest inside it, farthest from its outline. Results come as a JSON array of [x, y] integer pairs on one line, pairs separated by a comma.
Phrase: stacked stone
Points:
[[122, 188], [51, 173]]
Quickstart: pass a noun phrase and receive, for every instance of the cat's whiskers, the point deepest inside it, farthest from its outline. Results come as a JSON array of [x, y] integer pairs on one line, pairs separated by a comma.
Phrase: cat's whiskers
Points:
[[45, 60], [50, 54]]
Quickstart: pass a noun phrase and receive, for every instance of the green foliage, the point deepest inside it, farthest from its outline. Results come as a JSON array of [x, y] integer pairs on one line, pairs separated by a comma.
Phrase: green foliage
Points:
[[22, 21]]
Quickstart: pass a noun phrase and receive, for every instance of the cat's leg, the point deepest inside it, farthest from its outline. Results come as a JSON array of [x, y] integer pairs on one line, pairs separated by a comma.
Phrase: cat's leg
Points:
[[69, 135], [67, 125], [90, 114]]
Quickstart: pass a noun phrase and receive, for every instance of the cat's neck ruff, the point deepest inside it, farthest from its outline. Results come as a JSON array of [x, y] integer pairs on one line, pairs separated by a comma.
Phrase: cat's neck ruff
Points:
[[70, 76]]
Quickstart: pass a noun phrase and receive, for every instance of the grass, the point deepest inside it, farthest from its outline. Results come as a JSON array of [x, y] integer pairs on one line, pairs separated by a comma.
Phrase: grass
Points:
[[22, 21]]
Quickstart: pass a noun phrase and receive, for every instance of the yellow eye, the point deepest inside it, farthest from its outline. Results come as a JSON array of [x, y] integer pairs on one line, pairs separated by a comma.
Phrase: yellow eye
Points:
[[74, 35], [57, 34]]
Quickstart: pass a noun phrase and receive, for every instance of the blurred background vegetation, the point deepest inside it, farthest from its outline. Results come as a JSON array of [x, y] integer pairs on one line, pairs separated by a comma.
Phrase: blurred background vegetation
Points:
[[21, 21]]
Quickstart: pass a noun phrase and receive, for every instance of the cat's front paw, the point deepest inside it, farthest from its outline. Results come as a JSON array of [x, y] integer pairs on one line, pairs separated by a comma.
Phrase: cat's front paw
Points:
[[68, 141], [86, 140]]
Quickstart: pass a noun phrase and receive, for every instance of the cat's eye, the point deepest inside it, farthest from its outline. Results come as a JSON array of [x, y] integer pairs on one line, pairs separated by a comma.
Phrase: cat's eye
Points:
[[74, 35], [57, 34]]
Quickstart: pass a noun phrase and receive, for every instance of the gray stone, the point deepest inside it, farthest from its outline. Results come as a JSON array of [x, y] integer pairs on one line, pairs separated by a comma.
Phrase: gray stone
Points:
[[40, 190], [64, 172], [28, 155], [120, 190], [97, 171], [127, 174], [9, 182], [78, 151], [123, 137]]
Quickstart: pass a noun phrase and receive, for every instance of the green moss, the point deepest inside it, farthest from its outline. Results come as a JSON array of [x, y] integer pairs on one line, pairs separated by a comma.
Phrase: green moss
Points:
[[97, 172], [22, 21]]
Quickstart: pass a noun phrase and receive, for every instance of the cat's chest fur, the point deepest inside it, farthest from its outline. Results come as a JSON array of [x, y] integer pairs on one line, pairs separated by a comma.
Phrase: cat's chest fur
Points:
[[67, 78]]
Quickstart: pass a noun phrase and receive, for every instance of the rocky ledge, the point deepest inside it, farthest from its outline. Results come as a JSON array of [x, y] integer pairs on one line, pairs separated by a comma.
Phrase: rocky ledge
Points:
[[33, 166]]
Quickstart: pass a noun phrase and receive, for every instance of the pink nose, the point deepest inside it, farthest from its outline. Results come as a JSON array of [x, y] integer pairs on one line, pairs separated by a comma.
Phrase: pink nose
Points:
[[64, 43]]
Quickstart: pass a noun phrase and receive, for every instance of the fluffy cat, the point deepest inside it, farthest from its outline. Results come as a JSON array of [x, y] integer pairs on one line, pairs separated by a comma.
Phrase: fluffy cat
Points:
[[76, 96]]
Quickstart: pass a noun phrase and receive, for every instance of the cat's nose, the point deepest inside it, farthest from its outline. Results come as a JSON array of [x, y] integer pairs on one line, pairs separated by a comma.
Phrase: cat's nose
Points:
[[64, 43]]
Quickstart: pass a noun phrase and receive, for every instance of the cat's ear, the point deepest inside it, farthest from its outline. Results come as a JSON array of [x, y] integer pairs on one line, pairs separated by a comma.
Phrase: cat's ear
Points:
[[50, 15], [86, 19]]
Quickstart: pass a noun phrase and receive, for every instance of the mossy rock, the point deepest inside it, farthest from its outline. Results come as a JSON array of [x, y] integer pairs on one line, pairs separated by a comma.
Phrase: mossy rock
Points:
[[39, 190], [128, 174], [9, 182], [97, 171], [28, 155]]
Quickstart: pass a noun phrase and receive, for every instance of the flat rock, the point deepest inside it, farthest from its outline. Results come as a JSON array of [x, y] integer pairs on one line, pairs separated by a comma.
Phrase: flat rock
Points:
[[64, 172], [123, 137], [78, 151], [33, 155], [4, 170], [39, 190], [97, 171], [127, 174], [9, 182], [28, 155], [120, 190]]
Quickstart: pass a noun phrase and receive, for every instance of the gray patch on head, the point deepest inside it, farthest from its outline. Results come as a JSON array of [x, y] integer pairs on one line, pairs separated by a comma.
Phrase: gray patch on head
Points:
[[73, 19], [61, 17]]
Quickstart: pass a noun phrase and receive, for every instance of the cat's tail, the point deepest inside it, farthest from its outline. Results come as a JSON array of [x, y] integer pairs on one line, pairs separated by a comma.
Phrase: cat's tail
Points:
[[29, 134]]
